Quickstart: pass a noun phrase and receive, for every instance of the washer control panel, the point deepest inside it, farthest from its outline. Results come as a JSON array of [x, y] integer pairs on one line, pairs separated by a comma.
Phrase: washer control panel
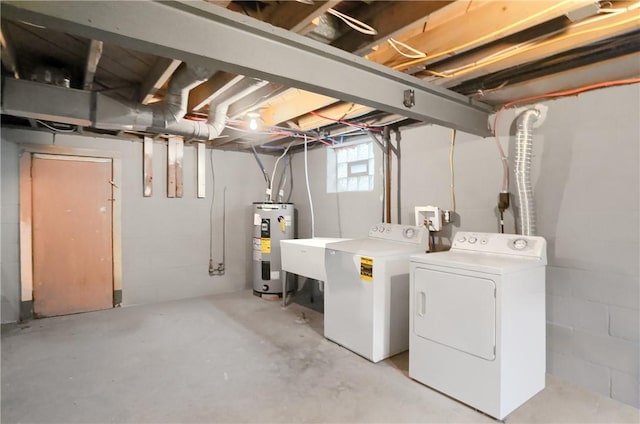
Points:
[[506, 244], [402, 233]]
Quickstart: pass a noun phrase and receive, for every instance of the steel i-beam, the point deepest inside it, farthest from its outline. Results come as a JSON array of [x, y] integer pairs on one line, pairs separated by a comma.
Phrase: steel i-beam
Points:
[[200, 33]]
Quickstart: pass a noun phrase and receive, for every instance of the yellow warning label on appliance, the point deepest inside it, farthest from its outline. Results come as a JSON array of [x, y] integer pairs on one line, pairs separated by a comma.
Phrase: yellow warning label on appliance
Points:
[[265, 245], [366, 268]]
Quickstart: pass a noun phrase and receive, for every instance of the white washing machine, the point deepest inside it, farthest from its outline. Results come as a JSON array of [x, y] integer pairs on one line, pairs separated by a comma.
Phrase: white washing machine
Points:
[[366, 299], [478, 320]]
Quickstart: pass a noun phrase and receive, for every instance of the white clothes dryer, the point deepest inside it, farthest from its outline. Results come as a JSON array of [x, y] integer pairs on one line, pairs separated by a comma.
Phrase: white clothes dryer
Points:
[[478, 320]]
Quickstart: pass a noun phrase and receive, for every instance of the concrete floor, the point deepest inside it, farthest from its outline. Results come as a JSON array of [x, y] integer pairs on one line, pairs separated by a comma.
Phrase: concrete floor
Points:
[[231, 358]]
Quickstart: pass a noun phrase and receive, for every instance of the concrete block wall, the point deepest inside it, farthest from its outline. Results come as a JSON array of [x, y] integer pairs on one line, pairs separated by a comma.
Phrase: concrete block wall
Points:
[[587, 188], [165, 242], [336, 214]]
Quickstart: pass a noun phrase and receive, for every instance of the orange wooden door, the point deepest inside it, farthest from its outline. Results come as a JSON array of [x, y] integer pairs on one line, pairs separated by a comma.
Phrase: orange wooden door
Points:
[[72, 236]]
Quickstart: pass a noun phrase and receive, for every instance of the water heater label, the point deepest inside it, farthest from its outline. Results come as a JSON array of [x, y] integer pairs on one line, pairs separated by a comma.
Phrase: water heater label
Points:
[[265, 228], [257, 244], [256, 219], [366, 268], [265, 245], [257, 255]]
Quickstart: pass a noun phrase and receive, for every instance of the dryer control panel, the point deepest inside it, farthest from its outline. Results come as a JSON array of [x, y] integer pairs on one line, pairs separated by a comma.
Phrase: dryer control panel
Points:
[[400, 233], [505, 244]]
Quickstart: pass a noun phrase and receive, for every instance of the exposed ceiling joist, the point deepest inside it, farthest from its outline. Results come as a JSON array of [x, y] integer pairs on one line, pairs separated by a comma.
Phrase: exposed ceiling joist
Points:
[[254, 101], [8, 54], [618, 69], [291, 15], [585, 33], [336, 111], [158, 76], [217, 84], [480, 27], [296, 16], [93, 58], [291, 104], [310, 65], [389, 19], [221, 3]]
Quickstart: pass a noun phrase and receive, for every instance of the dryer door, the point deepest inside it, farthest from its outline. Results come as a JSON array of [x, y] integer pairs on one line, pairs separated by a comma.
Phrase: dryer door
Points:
[[455, 310]]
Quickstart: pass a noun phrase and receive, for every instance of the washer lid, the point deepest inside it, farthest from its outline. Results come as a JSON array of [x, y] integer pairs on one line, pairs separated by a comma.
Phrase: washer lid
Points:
[[489, 263], [375, 247]]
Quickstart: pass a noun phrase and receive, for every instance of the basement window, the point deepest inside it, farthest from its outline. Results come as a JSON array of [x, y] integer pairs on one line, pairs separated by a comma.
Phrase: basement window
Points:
[[350, 167]]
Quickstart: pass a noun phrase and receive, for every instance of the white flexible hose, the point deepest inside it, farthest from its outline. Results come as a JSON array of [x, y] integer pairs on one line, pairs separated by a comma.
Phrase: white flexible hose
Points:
[[526, 223], [306, 176]]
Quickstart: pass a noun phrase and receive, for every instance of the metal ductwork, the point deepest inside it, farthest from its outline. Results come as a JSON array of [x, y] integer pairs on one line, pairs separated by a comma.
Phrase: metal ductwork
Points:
[[77, 107], [526, 222], [174, 106], [213, 127]]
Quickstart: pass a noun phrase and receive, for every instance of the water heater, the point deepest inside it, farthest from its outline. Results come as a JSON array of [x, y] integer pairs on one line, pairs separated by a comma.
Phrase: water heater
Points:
[[272, 222]]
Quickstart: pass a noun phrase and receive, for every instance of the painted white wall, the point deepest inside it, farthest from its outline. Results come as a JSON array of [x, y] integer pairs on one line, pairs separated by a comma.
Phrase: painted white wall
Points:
[[165, 242], [587, 188], [336, 214]]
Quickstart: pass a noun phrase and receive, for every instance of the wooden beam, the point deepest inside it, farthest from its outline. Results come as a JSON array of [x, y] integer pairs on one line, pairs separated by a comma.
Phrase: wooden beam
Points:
[[93, 58], [479, 23], [172, 154], [147, 167], [255, 101], [291, 15], [157, 77], [202, 170], [26, 229], [389, 19], [613, 69], [291, 104], [587, 32], [202, 95], [179, 148], [221, 3], [336, 111], [8, 56], [296, 16]]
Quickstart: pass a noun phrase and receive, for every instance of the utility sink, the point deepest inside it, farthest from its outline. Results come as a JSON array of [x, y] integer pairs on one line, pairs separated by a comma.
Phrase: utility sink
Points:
[[305, 256]]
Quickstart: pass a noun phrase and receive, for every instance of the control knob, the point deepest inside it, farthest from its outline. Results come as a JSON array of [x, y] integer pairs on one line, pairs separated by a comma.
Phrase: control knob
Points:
[[519, 244]]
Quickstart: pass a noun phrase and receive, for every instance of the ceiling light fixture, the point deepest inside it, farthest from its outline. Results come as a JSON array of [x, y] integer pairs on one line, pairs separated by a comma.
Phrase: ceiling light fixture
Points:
[[253, 120]]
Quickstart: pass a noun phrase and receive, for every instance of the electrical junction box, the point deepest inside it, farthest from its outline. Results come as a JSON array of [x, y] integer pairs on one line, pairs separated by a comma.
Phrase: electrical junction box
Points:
[[429, 215]]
